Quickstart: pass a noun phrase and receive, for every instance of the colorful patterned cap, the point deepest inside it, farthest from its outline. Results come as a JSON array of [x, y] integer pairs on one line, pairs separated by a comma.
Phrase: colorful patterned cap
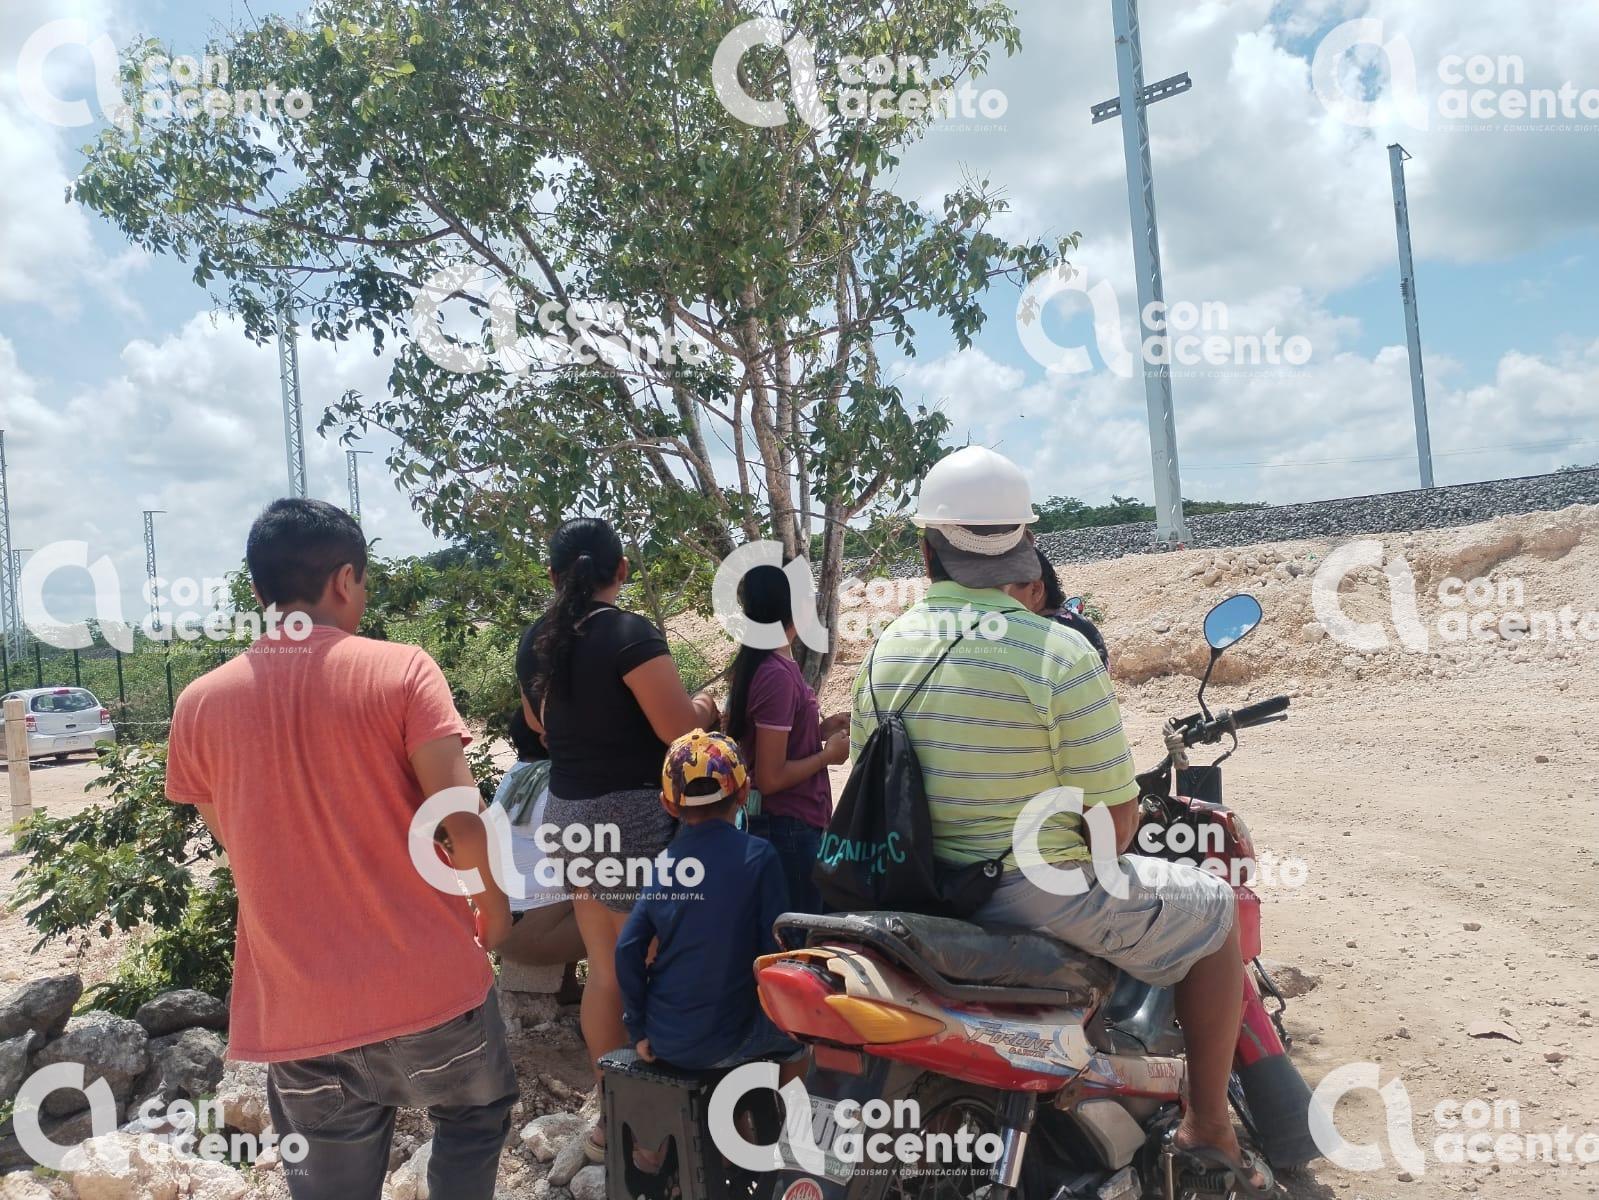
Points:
[[701, 755]]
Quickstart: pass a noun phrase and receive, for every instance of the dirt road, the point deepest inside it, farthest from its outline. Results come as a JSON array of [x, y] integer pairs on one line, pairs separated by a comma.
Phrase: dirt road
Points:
[[1450, 878], [1442, 802]]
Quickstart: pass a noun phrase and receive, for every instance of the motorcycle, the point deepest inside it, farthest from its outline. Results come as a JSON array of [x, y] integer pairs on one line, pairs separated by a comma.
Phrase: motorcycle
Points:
[[1072, 1071]]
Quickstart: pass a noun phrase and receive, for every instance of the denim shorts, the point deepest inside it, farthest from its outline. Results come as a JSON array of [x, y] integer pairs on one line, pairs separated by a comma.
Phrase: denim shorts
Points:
[[1169, 917]]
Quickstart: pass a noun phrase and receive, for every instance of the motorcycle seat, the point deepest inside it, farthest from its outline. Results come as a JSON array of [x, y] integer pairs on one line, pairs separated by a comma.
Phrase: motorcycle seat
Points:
[[964, 961]]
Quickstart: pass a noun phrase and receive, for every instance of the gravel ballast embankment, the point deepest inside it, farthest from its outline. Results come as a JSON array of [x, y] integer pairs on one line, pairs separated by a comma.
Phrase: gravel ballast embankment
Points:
[[1388, 512]]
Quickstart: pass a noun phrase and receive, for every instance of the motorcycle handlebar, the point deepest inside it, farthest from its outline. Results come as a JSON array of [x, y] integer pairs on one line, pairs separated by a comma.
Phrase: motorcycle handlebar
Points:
[[1225, 721], [1250, 714]]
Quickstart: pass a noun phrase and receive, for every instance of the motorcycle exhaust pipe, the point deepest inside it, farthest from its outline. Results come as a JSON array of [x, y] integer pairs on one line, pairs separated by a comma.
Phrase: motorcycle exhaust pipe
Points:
[[1277, 1094]]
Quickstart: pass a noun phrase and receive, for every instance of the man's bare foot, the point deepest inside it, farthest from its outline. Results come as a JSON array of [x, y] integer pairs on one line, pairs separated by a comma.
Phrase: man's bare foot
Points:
[[1193, 1136]]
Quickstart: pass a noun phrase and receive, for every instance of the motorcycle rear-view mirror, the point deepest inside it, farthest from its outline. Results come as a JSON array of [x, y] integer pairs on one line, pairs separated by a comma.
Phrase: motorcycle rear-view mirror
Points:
[[1226, 624], [1231, 620]]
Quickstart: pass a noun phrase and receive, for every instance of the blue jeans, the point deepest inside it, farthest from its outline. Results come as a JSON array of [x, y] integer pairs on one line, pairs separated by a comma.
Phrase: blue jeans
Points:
[[797, 845]]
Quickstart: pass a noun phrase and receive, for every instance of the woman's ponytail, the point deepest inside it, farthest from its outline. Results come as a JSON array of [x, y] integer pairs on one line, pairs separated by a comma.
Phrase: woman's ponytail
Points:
[[585, 555]]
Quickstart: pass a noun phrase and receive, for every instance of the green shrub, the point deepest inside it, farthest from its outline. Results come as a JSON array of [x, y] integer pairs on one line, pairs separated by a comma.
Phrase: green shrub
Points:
[[694, 665], [138, 861]]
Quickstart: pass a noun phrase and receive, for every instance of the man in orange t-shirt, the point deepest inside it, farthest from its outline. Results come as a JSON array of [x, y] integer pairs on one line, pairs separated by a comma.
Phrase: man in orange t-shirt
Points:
[[364, 987]]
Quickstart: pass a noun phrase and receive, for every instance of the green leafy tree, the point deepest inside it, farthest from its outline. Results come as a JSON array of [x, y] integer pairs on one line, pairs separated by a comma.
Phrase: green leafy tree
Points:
[[575, 159]]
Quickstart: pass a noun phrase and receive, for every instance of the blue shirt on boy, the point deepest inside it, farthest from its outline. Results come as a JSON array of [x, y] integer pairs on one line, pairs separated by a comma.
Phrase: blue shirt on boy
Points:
[[696, 1002]]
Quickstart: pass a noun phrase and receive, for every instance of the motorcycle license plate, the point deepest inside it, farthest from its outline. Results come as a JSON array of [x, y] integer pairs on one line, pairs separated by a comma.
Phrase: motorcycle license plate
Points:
[[824, 1132]]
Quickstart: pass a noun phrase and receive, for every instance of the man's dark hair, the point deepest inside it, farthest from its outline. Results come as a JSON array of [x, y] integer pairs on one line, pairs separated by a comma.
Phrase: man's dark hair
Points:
[[296, 545]]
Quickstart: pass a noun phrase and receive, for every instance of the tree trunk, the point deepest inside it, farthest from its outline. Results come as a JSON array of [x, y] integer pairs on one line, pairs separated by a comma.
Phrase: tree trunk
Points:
[[829, 579]]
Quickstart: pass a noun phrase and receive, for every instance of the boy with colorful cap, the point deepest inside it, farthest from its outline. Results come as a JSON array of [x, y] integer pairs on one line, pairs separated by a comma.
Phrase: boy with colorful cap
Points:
[[694, 1006]]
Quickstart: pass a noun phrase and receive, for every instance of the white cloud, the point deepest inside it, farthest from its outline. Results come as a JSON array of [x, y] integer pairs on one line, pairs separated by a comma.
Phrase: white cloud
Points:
[[48, 255], [1268, 204], [1257, 185], [192, 425], [1341, 426]]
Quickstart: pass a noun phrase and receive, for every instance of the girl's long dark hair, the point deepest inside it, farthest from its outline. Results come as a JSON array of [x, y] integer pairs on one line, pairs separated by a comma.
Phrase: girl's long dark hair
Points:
[[585, 555], [764, 596]]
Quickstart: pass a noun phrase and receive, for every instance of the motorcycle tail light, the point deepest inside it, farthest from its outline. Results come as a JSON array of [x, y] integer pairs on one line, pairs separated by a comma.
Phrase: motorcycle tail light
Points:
[[796, 997], [881, 1024]]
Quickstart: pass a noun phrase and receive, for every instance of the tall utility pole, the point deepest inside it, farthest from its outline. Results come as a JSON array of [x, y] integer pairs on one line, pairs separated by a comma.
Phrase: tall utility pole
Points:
[[9, 610], [353, 478], [1131, 102], [289, 381], [1397, 155], [149, 566], [16, 635]]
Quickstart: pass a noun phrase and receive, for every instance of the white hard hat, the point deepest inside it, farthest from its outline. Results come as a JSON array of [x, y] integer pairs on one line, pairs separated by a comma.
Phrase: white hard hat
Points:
[[975, 486]]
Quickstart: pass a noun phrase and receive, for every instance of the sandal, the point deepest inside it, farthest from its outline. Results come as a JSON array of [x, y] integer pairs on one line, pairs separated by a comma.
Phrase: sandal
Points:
[[1212, 1163], [594, 1143]]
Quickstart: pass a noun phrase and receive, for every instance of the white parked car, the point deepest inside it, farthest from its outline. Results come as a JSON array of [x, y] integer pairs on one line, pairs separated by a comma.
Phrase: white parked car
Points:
[[63, 721]]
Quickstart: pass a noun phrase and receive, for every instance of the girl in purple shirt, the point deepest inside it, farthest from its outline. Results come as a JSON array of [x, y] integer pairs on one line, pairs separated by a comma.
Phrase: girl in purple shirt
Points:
[[773, 714]]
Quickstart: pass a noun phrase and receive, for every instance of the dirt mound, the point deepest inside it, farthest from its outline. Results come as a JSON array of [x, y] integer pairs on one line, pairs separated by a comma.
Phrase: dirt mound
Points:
[[1435, 604]]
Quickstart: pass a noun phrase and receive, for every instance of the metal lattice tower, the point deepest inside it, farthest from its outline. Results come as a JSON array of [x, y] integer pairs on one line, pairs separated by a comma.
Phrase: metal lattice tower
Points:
[[1397, 155], [149, 566], [1131, 102], [352, 475], [289, 381], [10, 613]]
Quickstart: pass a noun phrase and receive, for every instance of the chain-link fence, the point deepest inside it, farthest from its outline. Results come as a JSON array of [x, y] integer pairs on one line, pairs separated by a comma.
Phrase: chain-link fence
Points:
[[138, 688]]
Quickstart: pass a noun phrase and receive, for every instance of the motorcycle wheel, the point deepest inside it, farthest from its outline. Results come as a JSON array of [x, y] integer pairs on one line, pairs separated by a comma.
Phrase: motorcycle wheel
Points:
[[947, 1106], [767, 1119]]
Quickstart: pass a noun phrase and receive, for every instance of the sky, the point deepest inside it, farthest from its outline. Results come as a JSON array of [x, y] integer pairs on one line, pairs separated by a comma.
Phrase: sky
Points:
[[122, 390]]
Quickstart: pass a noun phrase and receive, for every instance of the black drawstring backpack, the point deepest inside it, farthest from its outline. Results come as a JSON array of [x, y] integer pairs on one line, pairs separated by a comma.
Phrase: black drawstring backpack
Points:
[[877, 852]]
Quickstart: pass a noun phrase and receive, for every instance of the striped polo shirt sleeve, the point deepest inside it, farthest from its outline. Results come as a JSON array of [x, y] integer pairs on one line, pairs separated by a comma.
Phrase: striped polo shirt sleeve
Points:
[[1087, 741]]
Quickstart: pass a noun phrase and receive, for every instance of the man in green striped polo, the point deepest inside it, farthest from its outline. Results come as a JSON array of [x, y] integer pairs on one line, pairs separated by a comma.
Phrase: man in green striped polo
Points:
[[1021, 705]]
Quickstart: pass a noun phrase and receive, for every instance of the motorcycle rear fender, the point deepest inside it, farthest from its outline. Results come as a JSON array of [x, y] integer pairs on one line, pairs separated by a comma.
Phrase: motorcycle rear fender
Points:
[[1248, 923], [1030, 1048]]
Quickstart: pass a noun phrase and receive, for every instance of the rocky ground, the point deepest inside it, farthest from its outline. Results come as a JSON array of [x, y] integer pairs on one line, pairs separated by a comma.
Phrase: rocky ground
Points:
[[1387, 512], [1444, 927]]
